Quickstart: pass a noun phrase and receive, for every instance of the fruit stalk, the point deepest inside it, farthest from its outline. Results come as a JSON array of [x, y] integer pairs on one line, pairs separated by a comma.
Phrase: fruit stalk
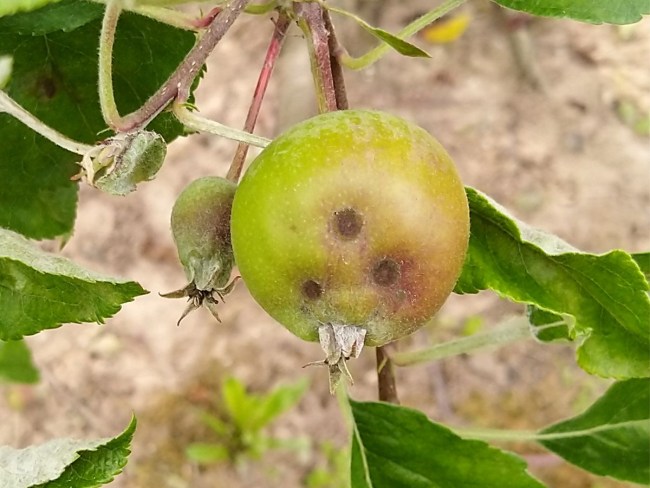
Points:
[[311, 22], [337, 70], [105, 76], [281, 26], [386, 376]]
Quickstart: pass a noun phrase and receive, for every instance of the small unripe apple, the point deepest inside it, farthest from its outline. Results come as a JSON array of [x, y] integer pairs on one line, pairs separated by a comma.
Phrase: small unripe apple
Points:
[[351, 228], [200, 224]]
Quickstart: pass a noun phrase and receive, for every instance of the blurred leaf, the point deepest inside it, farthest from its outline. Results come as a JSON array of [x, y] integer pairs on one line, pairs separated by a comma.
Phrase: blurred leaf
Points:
[[215, 423], [446, 29], [64, 16], [8, 7], [66, 463], [403, 47], [239, 404], [277, 402], [16, 363], [42, 291], [606, 295], [55, 77], [612, 437], [207, 453], [394, 446], [642, 259], [593, 11]]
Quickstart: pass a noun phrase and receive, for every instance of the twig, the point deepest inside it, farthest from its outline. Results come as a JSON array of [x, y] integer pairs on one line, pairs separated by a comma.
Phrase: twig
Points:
[[178, 84], [281, 26], [386, 376], [8, 105], [311, 22]]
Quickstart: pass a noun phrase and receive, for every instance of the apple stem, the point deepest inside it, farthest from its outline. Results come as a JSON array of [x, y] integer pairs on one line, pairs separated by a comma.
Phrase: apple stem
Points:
[[312, 23], [281, 26], [386, 376], [337, 70]]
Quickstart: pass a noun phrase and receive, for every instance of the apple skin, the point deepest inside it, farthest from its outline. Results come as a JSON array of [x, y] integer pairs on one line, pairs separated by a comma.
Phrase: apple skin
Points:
[[200, 223], [353, 218]]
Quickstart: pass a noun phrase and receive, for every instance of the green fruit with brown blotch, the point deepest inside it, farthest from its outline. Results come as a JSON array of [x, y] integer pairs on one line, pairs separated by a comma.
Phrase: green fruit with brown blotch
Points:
[[200, 224], [351, 228]]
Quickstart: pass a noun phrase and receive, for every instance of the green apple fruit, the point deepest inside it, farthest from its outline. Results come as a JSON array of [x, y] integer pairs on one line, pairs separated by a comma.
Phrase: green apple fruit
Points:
[[351, 228], [200, 224]]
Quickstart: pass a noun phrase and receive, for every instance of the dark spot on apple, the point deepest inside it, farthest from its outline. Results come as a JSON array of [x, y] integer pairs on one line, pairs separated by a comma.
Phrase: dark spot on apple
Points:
[[347, 223], [311, 289], [386, 272]]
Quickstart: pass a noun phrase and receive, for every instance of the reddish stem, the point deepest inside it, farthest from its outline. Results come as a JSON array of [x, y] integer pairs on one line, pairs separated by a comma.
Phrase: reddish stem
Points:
[[207, 19], [178, 84], [281, 26]]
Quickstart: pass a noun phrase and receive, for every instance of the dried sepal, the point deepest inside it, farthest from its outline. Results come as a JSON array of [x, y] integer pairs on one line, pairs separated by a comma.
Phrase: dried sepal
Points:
[[117, 164]]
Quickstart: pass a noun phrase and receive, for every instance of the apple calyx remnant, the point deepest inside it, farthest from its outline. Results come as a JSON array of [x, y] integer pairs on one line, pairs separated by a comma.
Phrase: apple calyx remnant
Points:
[[197, 297], [340, 343]]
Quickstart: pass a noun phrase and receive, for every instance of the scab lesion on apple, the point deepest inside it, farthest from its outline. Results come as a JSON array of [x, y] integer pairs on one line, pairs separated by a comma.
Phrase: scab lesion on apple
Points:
[[351, 229]]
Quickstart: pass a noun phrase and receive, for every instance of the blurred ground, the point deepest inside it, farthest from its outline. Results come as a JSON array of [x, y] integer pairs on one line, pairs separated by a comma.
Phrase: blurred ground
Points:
[[561, 158]]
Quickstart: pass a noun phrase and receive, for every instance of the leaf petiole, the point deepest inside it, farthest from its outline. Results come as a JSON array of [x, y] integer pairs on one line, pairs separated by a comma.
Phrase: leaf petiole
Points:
[[195, 122], [515, 329], [8, 105], [372, 56]]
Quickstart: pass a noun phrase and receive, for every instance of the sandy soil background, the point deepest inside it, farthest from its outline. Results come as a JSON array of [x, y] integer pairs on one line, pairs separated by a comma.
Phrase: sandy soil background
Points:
[[560, 157]]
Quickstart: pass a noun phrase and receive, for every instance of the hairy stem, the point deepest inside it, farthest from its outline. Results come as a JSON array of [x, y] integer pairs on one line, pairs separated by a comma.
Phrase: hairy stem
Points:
[[105, 79], [515, 329], [178, 84], [8, 105], [311, 22], [281, 26], [417, 25], [195, 122]]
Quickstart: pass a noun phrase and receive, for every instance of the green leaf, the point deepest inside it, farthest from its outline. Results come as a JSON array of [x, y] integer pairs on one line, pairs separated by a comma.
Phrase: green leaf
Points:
[[16, 363], [207, 453], [55, 77], [66, 463], [277, 402], [41, 291], [612, 437], [394, 446], [593, 11], [239, 404], [64, 16], [642, 259], [604, 294], [403, 47]]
